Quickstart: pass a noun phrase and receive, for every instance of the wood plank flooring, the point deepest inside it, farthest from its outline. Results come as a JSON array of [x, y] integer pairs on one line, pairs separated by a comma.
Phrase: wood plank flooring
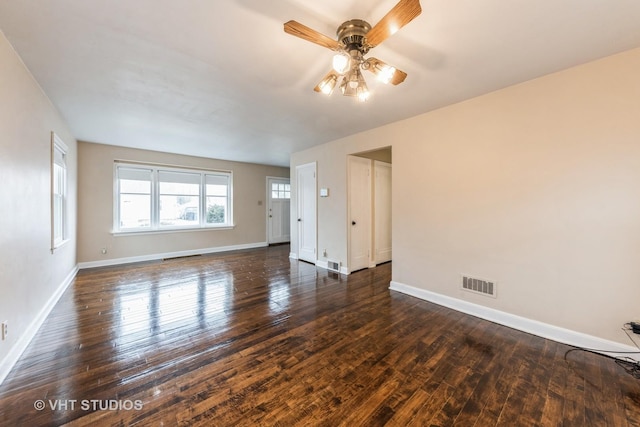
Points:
[[253, 338]]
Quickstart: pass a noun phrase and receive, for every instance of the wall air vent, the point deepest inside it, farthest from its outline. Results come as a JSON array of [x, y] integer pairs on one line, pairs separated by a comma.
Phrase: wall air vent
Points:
[[479, 286], [333, 266]]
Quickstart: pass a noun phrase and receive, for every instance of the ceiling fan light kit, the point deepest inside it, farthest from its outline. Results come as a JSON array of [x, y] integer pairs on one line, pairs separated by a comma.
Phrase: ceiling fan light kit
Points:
[[328, 84], [355, 38], [341, 62]]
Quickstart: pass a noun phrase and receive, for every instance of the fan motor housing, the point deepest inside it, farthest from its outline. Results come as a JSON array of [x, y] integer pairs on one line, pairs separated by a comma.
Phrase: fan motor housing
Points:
[[351, 33]]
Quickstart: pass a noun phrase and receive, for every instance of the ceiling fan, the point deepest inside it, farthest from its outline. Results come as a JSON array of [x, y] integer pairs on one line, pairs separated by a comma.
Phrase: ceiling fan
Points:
[[355, 38]]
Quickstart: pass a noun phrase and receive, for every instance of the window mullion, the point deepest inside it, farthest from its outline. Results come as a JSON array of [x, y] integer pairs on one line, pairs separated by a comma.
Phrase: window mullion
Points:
[[155, 200], [228, 218], [203, 200]]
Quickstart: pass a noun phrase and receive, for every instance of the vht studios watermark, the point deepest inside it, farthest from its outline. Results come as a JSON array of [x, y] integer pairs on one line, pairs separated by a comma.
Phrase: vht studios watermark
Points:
[[88, 405]]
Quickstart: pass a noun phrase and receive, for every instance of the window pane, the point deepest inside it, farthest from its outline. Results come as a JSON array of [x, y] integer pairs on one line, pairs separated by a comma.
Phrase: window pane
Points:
[[58, 179], [135, 211], [179, 210], [179, 183], [217, 190], [179, 199], [179, 177], [218, 179], [179, 189], [216, 210], [134, 198], [59, 157], [135, 187], [134, 174], [217, 185], [59, 194], [57, 217]]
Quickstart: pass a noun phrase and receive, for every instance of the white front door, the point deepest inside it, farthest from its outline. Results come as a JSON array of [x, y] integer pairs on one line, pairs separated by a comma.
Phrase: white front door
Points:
[[382, 211], [306, 209], [278, 210], [359, 226]]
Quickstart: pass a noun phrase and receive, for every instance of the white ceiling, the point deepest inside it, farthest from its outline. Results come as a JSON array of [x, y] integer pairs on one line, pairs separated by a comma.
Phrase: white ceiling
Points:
[[221, 79]]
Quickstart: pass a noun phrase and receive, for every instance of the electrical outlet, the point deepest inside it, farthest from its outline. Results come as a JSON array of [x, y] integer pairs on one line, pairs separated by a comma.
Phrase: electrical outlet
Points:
[[5, 330]]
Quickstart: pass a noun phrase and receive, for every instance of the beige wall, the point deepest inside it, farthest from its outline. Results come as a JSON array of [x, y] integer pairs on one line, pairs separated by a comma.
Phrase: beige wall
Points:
[[29, 273], [96, 162], [536, 186]]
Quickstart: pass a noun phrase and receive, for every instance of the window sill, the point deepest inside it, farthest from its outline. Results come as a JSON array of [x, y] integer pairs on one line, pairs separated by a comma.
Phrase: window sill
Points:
[[59, 245], [169, 230]]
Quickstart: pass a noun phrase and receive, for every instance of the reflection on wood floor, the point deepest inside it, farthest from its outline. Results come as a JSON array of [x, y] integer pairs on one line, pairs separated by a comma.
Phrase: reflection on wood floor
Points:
[[253, 338]]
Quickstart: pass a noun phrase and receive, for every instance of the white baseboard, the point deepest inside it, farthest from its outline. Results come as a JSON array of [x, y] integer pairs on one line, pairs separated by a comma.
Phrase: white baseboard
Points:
[[534, 327], [293, 255], [158, 256], [322, 264], [23, 342]]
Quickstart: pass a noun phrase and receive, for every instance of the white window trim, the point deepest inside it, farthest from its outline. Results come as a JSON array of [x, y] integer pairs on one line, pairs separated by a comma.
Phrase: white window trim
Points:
[[155, 197], [58, 145]]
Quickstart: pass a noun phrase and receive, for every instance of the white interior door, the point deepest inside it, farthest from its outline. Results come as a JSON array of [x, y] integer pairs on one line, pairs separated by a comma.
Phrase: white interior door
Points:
[[306, 208], [278, 210], [382, 202], [359, 196]]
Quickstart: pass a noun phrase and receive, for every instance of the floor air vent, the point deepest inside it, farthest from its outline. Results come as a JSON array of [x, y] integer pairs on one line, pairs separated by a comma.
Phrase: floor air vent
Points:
[[180, 257], [479, 286]]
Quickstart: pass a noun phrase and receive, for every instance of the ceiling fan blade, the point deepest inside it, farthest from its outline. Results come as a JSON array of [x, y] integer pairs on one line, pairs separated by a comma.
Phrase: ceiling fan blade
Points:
[[399, 16], [398, 77], [377, 67], [297, 29]]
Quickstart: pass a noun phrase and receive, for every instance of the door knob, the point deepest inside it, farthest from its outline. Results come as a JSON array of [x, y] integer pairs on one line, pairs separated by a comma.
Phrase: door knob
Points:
[[353, 223], [299, 219]]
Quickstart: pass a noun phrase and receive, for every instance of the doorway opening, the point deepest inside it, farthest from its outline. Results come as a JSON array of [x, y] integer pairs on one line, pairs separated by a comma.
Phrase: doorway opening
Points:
[[369, 209]]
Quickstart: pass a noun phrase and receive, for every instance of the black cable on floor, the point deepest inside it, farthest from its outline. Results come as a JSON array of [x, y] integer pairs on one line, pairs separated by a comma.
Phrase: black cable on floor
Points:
[[631, 366]]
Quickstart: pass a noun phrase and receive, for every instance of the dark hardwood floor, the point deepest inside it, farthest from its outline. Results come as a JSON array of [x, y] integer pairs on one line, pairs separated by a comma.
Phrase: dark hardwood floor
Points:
[[252, 338]]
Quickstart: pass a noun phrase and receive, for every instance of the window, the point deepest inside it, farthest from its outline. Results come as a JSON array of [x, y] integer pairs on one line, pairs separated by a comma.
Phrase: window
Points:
[[217, 196], [153, 198], [179, 198], [134, 201], [59, 232], [280, 191]]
